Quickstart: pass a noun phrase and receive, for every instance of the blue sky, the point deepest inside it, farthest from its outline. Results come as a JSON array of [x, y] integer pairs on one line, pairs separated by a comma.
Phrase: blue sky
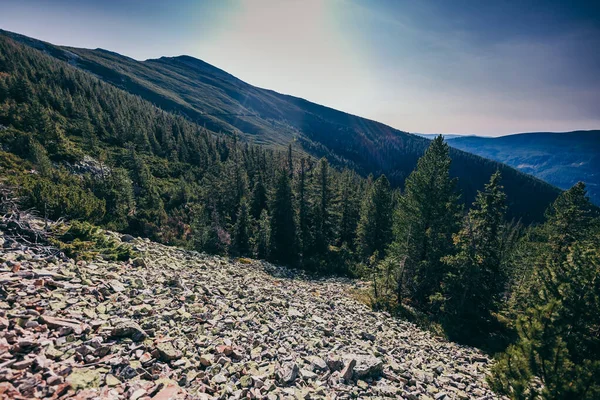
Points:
[[473, 67]]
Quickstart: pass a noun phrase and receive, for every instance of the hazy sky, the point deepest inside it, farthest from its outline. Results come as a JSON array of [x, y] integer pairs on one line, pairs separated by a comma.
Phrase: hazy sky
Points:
[[485, 67]]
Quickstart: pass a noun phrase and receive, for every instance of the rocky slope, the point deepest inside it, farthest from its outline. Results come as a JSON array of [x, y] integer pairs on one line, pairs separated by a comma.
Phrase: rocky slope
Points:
[[178, 324]]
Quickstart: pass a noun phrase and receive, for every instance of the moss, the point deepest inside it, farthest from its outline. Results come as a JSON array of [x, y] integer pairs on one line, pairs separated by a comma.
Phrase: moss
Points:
[[84, 241]]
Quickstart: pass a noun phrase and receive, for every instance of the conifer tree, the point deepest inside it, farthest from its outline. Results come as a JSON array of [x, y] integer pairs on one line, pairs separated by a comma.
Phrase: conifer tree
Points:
[[262, 240], [426, 217], [241, 234], [374, 232], [323, 213], [259, 197], [558, 343], [350, 208], [283, 227], [476, 277], [304, 220]]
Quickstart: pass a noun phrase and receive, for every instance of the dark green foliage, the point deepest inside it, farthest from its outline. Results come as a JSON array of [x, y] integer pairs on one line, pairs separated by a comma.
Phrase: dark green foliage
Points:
[[558, 348], [374, 232], [241, 231], [283, 228], [323, 209], [427, 216], [59, 196], [84, 241], [477, 276]]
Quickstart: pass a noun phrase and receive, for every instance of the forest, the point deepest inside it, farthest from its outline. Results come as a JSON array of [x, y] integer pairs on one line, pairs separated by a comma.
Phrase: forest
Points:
[[77, 148]]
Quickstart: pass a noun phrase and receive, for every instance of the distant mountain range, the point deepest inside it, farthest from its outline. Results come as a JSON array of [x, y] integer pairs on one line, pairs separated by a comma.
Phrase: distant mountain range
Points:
[[561, 159], [226, 105], [434, 135]]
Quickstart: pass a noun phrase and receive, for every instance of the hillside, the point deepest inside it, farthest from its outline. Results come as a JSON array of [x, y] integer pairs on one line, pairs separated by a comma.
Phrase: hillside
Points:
[[561, 159], [220, 102], [175, 324]]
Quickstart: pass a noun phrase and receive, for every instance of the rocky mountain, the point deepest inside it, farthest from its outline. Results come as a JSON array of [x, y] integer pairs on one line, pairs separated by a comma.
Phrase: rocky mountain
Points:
[[226, 105], [561, 159], [175, 324]]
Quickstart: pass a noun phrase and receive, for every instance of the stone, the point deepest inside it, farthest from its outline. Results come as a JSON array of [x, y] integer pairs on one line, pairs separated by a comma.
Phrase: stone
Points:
[[348, 371], [187, 324], [84, 379], [366, 365], [246, 381], [167, 352], [288, 372], [139, 262], [129, 329], [207, 360], [127, 238], [334, 363], [112, 380], [317, 363]]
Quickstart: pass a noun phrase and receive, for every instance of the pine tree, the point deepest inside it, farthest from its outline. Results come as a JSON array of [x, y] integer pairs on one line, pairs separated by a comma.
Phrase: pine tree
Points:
[[476, 277], [558, 343], [304, 219], [374, 232], [350, 208], [241, 232], [262, 241], [426, 217], [283, 227], [259, 197], [323, 215]]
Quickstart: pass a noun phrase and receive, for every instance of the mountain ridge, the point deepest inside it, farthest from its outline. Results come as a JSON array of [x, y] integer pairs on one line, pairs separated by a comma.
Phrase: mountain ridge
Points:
[[560, 158], [223, 103]]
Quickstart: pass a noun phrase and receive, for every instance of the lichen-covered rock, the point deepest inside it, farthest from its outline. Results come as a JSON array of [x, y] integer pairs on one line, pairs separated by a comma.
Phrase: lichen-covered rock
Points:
[[129, 329]]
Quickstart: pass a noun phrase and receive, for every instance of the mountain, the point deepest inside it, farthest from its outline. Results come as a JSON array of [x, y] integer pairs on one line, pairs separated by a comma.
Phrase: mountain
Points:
[[561, 159], [214, 99]]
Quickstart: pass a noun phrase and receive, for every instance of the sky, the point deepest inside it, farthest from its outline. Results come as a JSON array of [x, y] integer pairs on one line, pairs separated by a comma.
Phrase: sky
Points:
[[489, 68]]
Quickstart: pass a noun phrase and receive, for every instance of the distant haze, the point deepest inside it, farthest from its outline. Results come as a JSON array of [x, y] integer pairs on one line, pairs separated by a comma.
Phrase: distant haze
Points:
[[468, 67]]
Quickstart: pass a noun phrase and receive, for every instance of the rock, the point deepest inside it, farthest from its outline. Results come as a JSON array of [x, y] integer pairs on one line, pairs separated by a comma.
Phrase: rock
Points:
[[175, 324], [334, 363], [368, 336], [306, 374], [294, 313], [317, 363], [366, 365], [112, 381], [129, 329], [127, 238], [167, 352], [348, 371], [84, 379], [116, 286], [288, 372], [246, 381], [139, 262], [207, 360], [63, 323]]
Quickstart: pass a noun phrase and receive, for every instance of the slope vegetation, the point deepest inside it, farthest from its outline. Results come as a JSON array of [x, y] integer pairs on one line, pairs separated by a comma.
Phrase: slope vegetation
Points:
[[222, 103]]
